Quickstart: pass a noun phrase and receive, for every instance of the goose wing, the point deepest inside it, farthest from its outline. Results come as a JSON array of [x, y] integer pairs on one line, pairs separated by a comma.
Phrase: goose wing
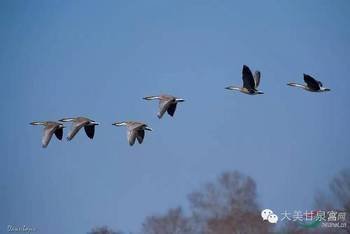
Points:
[[247, 77], [135, 130], [76, 126], [257, 75], [48, 132], [90, 130], [140, 135], [131, 134], [164, 104], [59, 133], [171, 109], [311, 82]]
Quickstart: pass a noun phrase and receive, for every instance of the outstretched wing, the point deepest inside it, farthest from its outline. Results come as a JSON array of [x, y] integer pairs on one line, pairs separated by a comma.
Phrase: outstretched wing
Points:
[[247, 77], [311, 82], [48, 132], [90, 130], [171, 109], [59, 133], [140, 135], [75, 129], [257, 75], [131, 134], [163, 107]]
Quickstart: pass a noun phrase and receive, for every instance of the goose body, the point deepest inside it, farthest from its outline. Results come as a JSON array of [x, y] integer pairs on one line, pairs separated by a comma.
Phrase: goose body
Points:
[[135, 130], [250, 82], [78, 123], [311, 84], [50, 128], [167, 103]]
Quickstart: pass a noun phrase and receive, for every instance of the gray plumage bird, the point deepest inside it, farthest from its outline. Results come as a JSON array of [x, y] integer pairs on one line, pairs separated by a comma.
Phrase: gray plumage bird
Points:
[[135, 130], [311, 84], [250, 82], [50, 128], [167, 103], [78, 123]]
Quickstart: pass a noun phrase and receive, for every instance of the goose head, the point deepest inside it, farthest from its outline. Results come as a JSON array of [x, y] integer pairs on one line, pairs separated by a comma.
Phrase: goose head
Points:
[[118, 124]]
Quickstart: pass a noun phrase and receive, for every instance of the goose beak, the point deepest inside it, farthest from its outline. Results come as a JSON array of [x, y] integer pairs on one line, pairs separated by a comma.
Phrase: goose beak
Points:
[[95, 123], [180, 100]]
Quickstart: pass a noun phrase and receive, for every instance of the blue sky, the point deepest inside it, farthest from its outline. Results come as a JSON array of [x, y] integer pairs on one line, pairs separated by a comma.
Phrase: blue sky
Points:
[[98, 59]]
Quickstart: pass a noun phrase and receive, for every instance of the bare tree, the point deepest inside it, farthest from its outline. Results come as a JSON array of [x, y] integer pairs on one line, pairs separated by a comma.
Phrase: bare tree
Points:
[[103, 230], [173, 222], [340, 187], [338, 199], [228, 206]]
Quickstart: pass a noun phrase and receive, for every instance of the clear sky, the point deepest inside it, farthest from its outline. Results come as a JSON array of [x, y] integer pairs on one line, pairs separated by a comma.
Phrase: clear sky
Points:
[[99, 58]]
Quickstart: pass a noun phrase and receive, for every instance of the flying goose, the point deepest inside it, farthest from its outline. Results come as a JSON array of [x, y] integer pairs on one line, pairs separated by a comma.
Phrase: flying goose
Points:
[[136, 130], [78, 123], [250, 82], [50, 128], [167, 103], [311, 85]]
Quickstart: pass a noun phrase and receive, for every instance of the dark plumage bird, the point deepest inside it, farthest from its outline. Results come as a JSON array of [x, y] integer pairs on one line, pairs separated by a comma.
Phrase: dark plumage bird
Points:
[[167, 103], [311, 84], [250, 82], [78, 123], [50, 128], [136, 130]]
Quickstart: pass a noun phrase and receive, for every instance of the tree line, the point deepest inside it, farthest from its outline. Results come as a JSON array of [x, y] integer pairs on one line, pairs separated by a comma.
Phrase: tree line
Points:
[[229, 205]]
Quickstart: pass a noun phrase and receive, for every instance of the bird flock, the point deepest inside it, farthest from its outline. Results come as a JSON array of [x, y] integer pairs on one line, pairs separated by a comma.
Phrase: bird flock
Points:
[[167, 103]]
